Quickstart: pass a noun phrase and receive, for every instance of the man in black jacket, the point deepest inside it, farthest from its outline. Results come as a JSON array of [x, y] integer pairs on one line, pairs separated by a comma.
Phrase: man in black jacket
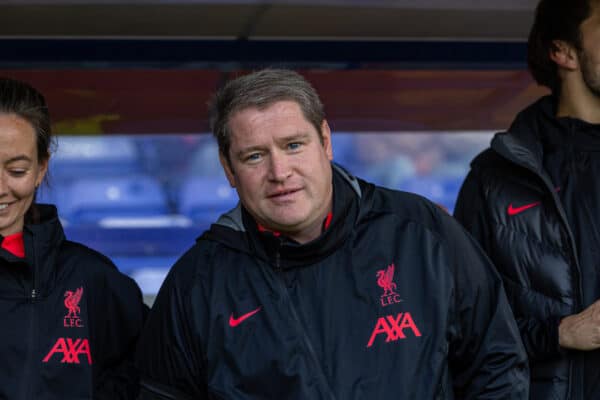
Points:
[[320, 285], [533, 202]]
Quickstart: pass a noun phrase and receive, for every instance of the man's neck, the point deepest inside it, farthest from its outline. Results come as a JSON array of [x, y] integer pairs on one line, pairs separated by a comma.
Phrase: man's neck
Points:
[[577, 101], [315, 231]]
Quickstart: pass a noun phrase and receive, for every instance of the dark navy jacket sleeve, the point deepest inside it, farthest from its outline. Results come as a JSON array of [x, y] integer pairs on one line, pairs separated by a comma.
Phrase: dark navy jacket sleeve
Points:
[[540, 337], [169, 356], [487, 358], [120, 314]]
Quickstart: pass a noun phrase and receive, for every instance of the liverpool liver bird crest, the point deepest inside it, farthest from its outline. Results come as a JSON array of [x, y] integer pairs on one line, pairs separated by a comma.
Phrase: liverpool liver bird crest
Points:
[[72, 302], [385, 279]]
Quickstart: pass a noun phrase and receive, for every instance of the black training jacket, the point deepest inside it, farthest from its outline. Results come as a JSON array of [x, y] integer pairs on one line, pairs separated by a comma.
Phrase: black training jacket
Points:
[[513, 208], [70, 320], [393, 301]]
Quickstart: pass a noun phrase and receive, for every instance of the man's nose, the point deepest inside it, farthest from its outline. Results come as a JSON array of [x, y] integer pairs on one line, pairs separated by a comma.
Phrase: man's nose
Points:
[[280, 168]]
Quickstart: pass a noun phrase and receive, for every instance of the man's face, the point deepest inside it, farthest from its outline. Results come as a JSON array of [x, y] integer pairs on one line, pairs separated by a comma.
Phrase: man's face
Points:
[[281, 169], [589, 56]]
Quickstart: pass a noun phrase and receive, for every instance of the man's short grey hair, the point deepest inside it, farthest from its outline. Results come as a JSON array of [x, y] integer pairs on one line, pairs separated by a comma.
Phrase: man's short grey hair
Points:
[[260, 90]]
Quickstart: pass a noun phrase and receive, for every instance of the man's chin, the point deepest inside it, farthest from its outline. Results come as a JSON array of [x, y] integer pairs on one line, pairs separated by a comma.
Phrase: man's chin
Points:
[[285, 224]]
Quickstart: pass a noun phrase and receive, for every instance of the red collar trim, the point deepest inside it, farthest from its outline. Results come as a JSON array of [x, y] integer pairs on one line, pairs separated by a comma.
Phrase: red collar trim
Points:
[[326, 224], [327, 220], [14, 244], [263, 230]]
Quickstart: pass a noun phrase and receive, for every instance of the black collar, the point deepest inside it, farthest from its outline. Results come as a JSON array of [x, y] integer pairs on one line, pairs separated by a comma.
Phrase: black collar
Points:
[[284, 253]]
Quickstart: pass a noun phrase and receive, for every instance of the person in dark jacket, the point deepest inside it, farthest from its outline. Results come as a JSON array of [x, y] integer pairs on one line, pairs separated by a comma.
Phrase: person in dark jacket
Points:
[[533, 202], [319, 285], [70, 320]]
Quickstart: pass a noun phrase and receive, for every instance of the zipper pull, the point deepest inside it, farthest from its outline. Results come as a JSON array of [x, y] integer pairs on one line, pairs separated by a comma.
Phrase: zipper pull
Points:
[[278, 261], [33, 294], [278, 255]]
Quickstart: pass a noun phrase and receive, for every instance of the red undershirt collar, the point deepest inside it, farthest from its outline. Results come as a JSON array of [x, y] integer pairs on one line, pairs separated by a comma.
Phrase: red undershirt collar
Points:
[[14, 244], [326, 224]]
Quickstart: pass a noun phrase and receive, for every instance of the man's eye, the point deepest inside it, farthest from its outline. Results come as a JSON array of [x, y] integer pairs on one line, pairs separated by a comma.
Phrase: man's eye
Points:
[[253, 157], [294, 146], [18, 172]]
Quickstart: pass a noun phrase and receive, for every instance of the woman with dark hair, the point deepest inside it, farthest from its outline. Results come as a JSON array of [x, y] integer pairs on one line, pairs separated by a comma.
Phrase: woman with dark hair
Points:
[[70, 319]]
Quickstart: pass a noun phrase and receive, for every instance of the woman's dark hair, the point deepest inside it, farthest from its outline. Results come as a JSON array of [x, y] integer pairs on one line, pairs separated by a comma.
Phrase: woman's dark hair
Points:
[[554, 20], [19, 98]]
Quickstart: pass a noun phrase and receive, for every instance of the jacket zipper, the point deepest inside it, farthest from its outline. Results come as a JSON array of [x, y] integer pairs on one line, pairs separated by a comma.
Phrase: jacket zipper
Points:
[[574, 389], [574, 371], [29, 379], [307, 343]]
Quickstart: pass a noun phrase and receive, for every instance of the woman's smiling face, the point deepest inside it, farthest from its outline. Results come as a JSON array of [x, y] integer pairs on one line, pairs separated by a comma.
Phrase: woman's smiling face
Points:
[[20, 171]]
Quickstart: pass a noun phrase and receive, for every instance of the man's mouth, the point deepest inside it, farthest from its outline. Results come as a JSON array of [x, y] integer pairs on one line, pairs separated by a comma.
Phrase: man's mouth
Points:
[[283, 193]]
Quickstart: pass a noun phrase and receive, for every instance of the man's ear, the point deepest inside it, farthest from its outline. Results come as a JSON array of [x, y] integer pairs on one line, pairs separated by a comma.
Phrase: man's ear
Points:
[[564, 55], [227, 168], [326, 136]]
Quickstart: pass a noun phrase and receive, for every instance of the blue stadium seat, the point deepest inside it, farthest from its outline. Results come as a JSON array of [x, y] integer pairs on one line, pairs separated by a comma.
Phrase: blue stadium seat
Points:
[[204, 199], [90, 200], [344, 151], [94, 156], [205, 160], [440, 190]]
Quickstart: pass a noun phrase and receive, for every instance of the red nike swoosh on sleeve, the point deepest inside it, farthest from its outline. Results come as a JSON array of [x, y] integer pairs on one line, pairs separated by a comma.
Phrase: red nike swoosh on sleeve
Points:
[[233, 322], [517, 210]]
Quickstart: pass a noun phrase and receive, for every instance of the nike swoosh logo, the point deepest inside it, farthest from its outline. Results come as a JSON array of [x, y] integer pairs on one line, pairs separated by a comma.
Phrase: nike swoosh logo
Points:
[[233, 322], [517, 210]]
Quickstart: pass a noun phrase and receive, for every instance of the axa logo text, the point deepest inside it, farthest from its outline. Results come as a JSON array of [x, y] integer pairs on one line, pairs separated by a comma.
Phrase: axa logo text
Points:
[[71, 350], [394, 328]]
